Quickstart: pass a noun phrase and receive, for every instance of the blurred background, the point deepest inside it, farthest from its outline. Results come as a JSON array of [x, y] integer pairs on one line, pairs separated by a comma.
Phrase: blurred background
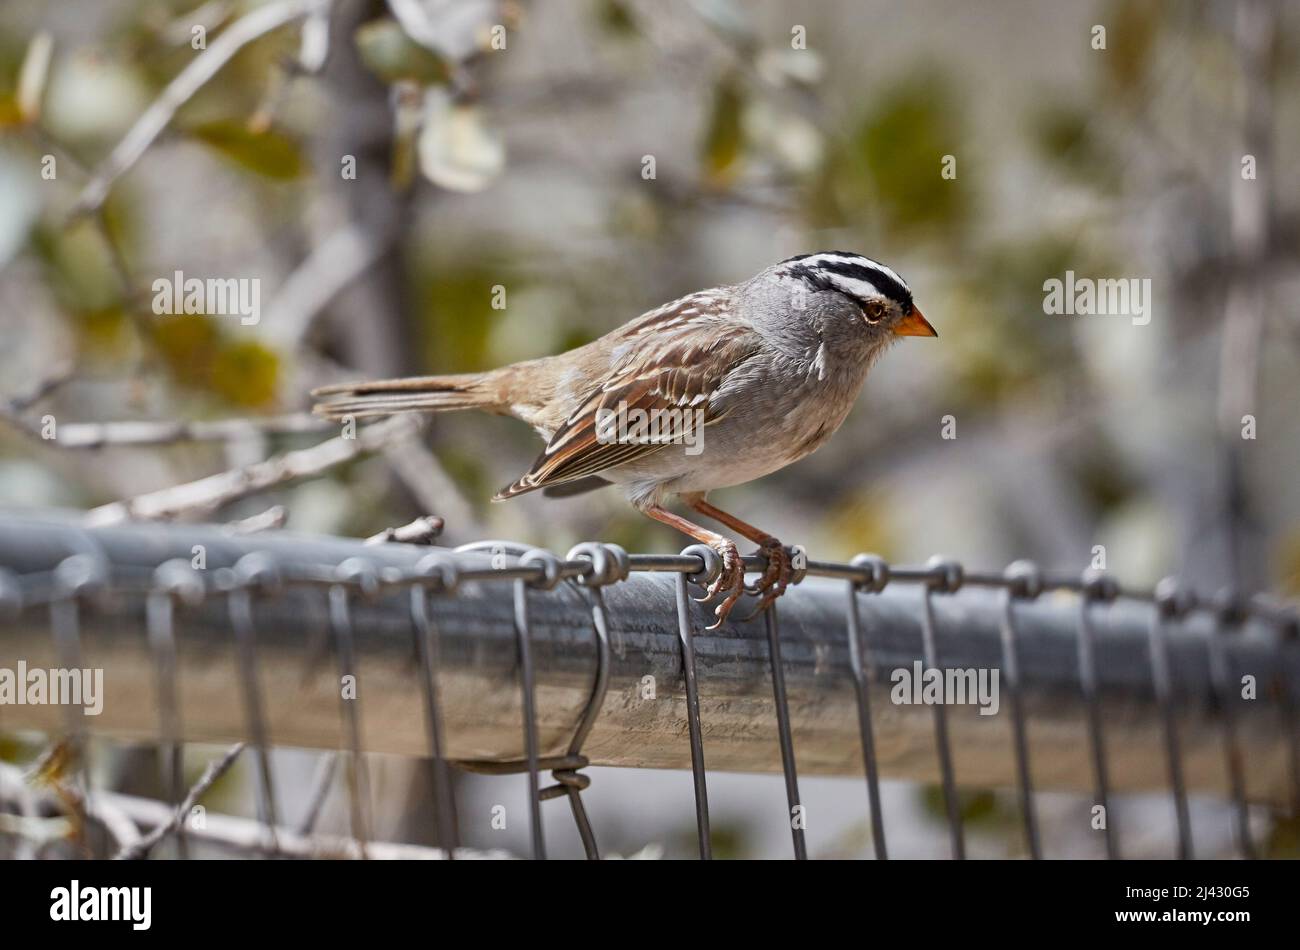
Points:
[[448, 186]]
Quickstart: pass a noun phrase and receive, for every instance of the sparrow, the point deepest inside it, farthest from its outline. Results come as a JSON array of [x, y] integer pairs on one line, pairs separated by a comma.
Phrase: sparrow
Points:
[[714, 389]]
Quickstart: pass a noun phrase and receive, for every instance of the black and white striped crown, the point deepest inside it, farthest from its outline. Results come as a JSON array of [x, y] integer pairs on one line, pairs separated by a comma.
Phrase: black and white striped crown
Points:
[[850, 274]]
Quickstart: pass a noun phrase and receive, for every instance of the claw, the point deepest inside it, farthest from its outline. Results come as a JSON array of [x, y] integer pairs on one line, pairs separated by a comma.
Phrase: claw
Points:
[[731, 579], [725, 579], [723, 610], [776, 576], [772, 584], [710, 592]]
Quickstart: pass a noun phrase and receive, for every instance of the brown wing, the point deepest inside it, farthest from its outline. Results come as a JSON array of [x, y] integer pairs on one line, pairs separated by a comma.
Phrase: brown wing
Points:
[[675, 358]]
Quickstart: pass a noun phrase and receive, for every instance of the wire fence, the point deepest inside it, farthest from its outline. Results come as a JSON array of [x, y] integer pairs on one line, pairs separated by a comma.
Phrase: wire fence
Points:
[[500, 659]]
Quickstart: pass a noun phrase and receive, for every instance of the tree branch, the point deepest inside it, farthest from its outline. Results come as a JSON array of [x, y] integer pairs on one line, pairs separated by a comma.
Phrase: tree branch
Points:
[[249, 836], [333, 264], [420, 531], [269, 520], [208, 494], [244, 835], [190, 79], [95, 435], [216, 768], [43, 388]]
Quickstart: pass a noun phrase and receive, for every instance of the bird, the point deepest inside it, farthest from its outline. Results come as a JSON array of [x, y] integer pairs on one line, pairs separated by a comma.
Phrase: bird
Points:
[[713, 389]]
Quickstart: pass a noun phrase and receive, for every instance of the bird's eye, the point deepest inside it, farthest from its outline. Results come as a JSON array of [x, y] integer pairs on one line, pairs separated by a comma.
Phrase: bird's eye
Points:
[[874, 312]]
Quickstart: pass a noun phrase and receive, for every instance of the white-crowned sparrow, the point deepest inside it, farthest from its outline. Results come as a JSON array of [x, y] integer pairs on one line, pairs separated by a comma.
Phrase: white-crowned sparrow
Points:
[[714, 389]]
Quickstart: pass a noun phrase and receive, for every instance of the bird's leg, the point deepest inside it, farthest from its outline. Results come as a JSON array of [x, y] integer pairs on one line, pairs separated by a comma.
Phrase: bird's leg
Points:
[[732, 577], [776, 576]]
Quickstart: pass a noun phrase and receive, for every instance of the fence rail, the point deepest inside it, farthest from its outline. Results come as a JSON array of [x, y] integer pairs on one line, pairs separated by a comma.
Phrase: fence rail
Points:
[[500, 659]]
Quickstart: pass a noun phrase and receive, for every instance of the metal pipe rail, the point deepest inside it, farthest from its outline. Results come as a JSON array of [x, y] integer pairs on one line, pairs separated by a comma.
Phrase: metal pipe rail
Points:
[[1100, 690]]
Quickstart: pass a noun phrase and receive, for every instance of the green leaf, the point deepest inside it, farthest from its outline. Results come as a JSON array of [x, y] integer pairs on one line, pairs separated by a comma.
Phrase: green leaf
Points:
[[188, 344], [887, 171], [976, 806], [80, 266], [724, 138], [1063, 135], [456, 310], [10, 113], [1131, 35], [616, 17], [392, 55], [270, 153], [1283, 838], [246, 373]]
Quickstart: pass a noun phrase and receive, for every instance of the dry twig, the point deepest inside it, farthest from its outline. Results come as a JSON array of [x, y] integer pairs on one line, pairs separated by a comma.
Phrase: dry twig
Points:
[[239, 34], [216, 769], [207, 495], [95, 435], [420, 531]]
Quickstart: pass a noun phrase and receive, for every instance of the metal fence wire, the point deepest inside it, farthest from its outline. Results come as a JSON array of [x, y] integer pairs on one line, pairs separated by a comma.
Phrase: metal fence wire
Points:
[[500, 659]]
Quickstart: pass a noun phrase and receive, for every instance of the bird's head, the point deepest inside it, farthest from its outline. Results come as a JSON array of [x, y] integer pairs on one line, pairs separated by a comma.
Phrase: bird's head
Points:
[[879, 302]]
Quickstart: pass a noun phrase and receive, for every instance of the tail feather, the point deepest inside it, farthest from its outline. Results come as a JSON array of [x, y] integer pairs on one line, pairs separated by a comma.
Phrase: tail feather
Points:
[[414, 394]]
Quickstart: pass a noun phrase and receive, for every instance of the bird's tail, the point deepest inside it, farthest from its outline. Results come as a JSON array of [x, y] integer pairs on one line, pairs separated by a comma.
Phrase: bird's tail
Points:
[[385, 397]]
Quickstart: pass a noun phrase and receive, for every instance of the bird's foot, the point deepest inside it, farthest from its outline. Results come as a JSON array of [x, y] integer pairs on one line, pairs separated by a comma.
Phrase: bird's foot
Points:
[[776, 575], [730, 579]]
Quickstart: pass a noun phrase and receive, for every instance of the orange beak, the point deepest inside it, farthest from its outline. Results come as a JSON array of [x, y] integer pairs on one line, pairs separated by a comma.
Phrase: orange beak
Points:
[[914, 324]]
